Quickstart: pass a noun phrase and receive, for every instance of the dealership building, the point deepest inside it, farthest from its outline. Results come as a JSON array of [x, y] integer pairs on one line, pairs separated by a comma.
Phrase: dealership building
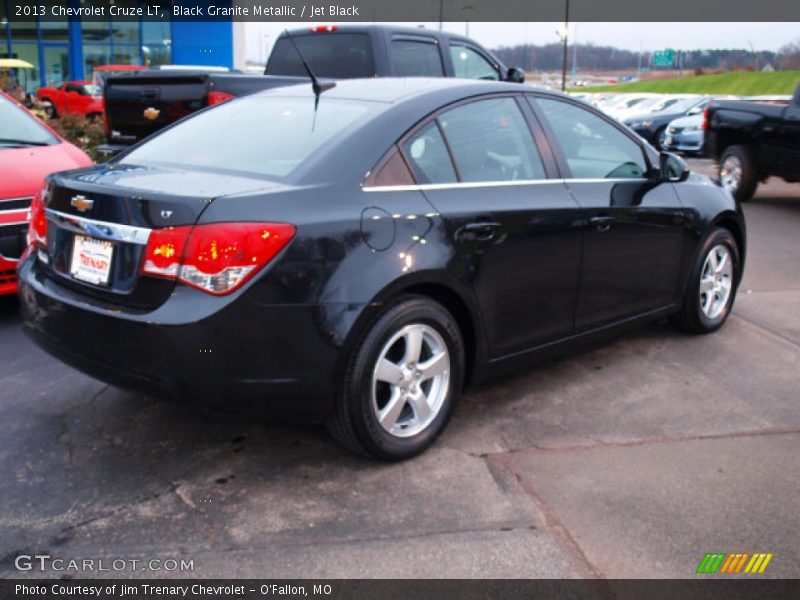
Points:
[[69, 48]]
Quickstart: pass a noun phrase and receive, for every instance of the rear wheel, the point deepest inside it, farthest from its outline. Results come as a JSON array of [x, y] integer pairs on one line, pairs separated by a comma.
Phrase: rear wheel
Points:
[[712, 288], [403, 377], [737, 172]]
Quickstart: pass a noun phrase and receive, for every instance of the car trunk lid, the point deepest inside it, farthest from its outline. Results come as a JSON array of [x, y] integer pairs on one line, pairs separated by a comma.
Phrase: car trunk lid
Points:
[[100, 220]]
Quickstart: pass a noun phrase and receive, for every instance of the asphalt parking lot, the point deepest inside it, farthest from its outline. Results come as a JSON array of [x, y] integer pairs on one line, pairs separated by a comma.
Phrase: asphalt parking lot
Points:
[[630, 459]]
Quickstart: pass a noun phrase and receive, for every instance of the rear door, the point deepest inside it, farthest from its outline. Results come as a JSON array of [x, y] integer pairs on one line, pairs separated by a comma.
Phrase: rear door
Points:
[[513, 223], [634, 224]]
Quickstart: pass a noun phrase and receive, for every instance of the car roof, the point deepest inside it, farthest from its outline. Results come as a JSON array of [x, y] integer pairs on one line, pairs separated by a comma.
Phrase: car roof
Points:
[[366, 28], [393, 90]]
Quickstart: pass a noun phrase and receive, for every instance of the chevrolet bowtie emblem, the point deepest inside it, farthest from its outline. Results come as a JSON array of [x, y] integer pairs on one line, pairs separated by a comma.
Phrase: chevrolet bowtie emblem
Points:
[[151, 114], [82, 203]]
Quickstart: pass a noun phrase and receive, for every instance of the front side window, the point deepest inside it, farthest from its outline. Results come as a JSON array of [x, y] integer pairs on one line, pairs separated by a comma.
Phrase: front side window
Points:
[[593, 147], [257, 135], [491, 141], [416, 59], [427, 156], [469, 64]]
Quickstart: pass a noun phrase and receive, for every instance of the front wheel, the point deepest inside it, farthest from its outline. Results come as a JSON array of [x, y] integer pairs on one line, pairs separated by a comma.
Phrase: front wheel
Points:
[[402, 380], [710, 293], [661, 139]]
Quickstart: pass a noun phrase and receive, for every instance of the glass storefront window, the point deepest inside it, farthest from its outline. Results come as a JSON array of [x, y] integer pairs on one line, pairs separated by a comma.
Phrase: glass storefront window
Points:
[[96, 31], [23, 31], [94, 55], [56, 65], [30, 53], [54, 30], [126, 55], [126, 32]]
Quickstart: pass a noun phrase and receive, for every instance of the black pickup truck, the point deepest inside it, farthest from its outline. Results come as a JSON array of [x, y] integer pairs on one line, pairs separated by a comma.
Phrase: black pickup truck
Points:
[[752, 141], [143, 102]]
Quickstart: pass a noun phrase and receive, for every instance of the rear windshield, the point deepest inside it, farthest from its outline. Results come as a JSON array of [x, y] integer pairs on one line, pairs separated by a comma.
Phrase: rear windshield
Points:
[[333, 55], [18, 128], [258, 135]]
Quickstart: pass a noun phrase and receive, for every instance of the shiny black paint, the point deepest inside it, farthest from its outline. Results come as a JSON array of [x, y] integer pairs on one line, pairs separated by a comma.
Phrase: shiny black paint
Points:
[[772, 132], [547, 278]]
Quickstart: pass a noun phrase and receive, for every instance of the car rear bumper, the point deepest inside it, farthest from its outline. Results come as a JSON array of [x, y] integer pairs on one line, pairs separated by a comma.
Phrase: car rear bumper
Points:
[[244, 356], [685, 143], [8, 276]]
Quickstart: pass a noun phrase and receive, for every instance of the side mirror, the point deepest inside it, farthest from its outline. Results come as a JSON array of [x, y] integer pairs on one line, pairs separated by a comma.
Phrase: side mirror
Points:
[[515, 75], [673, 168]]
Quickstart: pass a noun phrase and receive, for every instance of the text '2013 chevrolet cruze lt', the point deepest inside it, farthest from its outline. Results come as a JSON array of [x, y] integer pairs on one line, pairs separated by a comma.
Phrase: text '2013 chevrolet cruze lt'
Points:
[[359, 256]]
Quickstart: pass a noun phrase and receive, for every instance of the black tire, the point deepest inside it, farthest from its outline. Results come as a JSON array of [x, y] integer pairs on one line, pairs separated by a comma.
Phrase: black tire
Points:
[[49, 109], [691, 316], [748, 180], [659, 139], [353, 422]]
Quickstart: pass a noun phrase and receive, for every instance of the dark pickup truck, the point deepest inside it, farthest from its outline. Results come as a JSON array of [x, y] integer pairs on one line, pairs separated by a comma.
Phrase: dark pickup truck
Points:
[[752, 141], [145, 101]]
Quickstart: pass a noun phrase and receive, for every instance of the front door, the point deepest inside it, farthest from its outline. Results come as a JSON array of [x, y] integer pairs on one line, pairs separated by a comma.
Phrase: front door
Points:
[[516, 228], [633, 235]]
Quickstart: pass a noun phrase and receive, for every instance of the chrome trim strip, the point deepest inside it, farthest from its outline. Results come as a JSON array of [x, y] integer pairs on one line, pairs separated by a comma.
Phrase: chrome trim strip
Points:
[[488, 184], [16, 199], [25, 222], [115, 232], [8, 258], [456, 185]]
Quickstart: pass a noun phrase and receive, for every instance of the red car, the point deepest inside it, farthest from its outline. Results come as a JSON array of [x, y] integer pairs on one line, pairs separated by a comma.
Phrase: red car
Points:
[[29, 150], [73, 97]]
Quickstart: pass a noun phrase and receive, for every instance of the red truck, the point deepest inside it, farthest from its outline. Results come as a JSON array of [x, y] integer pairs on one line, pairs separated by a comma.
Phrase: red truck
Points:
[[72, 97], [81, 97]]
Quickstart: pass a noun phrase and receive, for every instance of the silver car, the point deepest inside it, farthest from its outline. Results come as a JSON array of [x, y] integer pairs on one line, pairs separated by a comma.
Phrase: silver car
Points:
[[685, 135]]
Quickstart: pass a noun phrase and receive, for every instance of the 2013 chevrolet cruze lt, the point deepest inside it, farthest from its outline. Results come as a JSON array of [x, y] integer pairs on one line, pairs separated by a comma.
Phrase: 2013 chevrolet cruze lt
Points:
[[360, 260]]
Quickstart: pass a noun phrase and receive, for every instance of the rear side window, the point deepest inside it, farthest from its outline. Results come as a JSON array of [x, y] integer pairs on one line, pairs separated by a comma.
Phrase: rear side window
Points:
[[470, 64], [593, 148], [334, 55], [428, 157], [491, 141], [258, 135], [413, 58]]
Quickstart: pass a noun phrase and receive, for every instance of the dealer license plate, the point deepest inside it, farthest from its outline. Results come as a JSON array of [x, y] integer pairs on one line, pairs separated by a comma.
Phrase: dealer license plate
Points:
[[91, 260]]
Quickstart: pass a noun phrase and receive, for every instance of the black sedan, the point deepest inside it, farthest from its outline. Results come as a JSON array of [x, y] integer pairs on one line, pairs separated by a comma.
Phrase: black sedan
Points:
[[653, 126], [360, 257]]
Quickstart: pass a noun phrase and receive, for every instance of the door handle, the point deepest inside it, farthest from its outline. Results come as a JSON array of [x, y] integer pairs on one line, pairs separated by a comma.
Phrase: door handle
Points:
[[481, 230], [602, 223]]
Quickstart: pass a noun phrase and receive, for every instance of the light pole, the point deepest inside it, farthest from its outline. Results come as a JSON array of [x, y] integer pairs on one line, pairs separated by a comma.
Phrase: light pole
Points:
[[565, 37]]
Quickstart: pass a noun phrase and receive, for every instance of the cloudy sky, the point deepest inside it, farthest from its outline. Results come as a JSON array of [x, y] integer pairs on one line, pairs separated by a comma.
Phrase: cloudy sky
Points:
[[632, 36]]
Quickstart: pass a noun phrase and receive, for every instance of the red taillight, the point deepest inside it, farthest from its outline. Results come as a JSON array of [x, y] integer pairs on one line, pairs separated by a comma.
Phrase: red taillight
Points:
[[37, 229], [322, 28], [216, 258], [704, 124], [217, 97]]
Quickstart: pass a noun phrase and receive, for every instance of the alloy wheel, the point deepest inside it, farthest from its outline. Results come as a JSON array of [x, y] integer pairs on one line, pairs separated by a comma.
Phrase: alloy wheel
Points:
[[410, 380], [730, 173], [716, 281]]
